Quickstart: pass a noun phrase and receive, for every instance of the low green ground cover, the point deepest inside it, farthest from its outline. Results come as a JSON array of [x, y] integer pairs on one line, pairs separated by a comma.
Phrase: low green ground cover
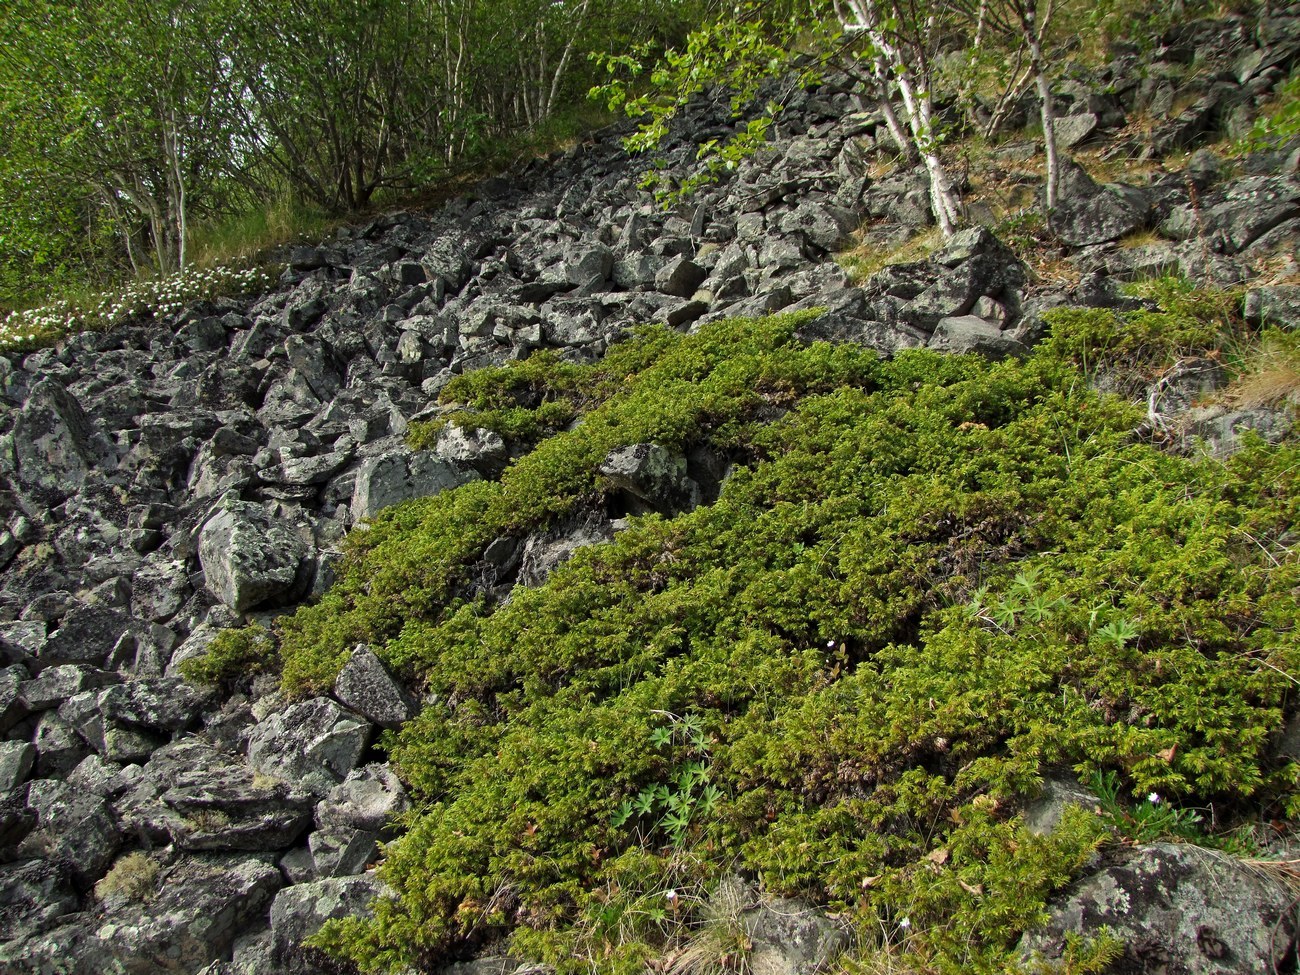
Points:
[[928, 581]]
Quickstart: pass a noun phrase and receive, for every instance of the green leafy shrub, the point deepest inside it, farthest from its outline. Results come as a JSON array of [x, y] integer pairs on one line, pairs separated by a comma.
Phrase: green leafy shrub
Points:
[[929, 579], [231, 655]]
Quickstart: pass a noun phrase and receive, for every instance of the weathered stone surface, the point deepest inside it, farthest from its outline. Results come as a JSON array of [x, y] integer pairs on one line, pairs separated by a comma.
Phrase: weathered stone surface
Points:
[[17, 759], [653, 476], [51, 440], [85, 636], [1087, 213], [249, 559], [367, 800], [400, 476], [1176, 908], [201, 905], [1060, 791], [299, 911], [966, 333], [72, 827], [168, 704], [339, 851], [312, 745], [200, 798], [365, 685], [35, 894]]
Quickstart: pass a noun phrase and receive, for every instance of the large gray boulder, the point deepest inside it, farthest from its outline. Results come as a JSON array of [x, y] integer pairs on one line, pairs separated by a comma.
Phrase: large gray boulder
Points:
[[51, 442], [1087, 213], [1177, 909], [312, 745], [250, 559]]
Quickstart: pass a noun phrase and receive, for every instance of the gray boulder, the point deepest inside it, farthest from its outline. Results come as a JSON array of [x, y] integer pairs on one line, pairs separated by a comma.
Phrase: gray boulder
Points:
[[201, 904], [365, 685], [1087, 213], [401, 475], [967, 333], [51, 440], [299, 911], [35, 895], [652, 476], [312, 745], [1177, 909], [367, 799], [250, 559], [72, 827], [17, 759]]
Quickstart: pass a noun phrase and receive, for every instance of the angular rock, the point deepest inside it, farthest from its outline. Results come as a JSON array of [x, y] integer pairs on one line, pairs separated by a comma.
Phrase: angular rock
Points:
[[1087, 213], [168, 704], [400, 476], [35, 895], [475, 447], [312, 745], [680, 277], [201, 905], [72, 827], [52, 442], [298, 912], [966, 333], [1176, 908], [365, 685], [17, 759], [249, 559], [653, 476], [367, 799], [85, 636], [56, 684], [59, 748], [342, 852]]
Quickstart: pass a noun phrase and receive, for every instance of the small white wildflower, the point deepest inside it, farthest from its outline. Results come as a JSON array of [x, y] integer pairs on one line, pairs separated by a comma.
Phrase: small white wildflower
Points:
[[1153, 798], [904, 923]]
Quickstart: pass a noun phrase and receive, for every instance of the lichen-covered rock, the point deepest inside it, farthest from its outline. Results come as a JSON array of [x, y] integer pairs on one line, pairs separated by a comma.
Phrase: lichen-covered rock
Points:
[[401, 475], [367, 799], [653, 476], [312, 745], [1088, 213], [201, 904], [299, 912], [365, 685], [34, 894], [1178, 910], [249, 559], [72, 827]]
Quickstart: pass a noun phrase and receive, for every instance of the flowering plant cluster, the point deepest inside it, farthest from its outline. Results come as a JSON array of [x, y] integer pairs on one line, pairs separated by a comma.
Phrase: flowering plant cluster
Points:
[[34, 328]]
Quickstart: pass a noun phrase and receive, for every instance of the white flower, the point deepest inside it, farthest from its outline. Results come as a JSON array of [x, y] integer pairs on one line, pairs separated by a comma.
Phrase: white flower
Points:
[[904, 923], [1153, 798]]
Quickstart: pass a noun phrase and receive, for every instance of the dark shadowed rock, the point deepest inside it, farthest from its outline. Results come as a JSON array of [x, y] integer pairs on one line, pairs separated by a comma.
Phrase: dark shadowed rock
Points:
[[73, 827], [35, 895], [365, 685], [85, 636], [201, 904], [1088, 213], [652, 476], [1176, 908]]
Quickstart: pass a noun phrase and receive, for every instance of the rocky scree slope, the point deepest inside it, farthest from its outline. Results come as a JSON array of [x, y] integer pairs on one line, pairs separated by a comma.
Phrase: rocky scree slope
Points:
[[177, 477]]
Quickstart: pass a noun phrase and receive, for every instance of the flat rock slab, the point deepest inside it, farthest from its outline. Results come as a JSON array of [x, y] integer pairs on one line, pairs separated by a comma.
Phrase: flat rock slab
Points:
[[299, 912], [365, 685]]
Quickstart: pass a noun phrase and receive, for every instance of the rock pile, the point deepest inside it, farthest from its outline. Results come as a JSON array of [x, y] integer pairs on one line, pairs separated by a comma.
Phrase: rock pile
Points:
[[175, 477]]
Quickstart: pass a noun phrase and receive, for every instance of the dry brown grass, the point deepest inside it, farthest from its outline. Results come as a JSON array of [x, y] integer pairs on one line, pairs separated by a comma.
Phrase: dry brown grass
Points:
[[866, 259], [1269, 376], [134, 876]]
